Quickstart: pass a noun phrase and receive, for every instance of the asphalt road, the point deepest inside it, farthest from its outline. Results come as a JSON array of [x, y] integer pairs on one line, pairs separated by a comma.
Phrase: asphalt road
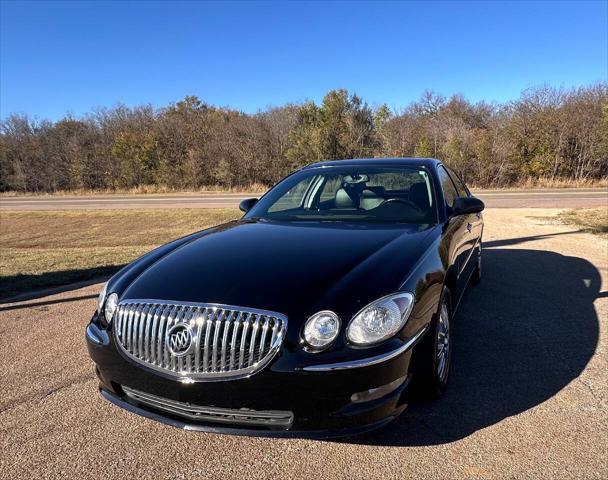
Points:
[[528, 396], [552, 198]]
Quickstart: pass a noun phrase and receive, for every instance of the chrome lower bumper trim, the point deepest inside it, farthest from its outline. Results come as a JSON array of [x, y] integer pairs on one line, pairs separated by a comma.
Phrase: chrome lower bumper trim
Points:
[[273, 419], [366, 362], [227, 430]]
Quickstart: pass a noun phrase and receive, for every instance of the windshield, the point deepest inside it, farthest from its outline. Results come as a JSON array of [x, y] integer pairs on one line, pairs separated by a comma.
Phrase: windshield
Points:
[[365, 194]]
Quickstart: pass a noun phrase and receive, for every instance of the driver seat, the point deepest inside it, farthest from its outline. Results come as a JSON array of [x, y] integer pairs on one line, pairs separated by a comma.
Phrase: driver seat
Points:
[[420, 196]]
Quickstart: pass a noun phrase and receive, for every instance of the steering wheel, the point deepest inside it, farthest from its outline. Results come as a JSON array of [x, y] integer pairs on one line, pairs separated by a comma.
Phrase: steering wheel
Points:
[[409, 203]]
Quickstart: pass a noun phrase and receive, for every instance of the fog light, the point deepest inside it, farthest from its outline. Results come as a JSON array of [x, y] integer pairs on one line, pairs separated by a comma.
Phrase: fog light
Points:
[[378, 392]]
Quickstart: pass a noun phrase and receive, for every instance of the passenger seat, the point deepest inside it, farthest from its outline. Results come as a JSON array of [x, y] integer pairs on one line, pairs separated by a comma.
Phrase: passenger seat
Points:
[[345, 199]]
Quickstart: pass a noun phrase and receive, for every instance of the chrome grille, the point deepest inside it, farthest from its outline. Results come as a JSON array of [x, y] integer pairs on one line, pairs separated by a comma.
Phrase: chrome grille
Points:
[[224, 342]]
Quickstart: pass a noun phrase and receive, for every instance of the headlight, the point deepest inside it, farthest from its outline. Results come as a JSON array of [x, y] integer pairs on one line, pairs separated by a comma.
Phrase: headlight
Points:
[[321, 329], [111, 304], [380, 319], [102, 297]]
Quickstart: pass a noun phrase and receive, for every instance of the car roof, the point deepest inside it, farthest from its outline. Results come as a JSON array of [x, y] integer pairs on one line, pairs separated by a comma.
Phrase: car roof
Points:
[[389, 161]]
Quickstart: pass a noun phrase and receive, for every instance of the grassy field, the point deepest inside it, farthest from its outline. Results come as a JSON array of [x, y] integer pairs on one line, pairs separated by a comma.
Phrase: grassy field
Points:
[[259, 188], [594, 220], [51, 248]]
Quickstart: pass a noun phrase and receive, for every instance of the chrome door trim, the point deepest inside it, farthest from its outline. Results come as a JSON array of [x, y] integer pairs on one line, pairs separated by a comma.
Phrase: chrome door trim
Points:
[[466, 263]]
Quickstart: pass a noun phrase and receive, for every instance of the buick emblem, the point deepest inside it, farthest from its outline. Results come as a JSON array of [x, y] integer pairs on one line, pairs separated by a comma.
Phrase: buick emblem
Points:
[[179, 339]]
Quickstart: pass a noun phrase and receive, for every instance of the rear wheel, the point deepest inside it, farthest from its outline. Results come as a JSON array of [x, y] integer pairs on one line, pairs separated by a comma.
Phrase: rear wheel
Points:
[[476, 276], [433, 359]]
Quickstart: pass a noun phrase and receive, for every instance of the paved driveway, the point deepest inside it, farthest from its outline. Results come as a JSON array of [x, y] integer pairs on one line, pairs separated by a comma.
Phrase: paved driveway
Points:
[[528, 396]]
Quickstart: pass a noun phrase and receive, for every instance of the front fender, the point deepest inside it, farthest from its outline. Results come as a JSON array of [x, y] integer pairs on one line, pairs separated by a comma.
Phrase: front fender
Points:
[[426, 280]]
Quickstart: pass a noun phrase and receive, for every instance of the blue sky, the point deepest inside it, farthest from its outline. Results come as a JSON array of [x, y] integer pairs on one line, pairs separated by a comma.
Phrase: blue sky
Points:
[[59, 57]]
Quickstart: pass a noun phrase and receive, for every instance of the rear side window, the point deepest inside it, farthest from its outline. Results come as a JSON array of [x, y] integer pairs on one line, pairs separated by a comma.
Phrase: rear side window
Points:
[[449, 190]]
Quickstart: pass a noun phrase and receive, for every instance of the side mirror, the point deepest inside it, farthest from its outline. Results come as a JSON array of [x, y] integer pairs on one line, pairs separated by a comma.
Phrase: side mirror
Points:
[[465, 205], [247, 204]]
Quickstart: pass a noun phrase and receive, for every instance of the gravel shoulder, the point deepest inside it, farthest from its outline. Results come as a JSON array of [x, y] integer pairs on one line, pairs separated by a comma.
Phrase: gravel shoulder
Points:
[[528, 399]]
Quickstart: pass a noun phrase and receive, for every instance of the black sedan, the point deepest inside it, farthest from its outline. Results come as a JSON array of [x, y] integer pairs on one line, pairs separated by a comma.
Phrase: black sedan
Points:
[[314, 314]]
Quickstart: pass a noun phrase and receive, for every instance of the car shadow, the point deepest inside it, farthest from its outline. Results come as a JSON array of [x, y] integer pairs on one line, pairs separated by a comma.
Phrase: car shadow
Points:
[[42, 305], [17, 288], [522, 335]]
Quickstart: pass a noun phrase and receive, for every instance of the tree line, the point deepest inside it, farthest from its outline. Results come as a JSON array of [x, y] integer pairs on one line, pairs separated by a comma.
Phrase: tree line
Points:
[[547, 133]]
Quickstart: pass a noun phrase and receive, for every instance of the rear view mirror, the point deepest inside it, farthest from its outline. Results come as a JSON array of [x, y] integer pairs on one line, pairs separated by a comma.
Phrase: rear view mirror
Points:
[[247, 204], [465, 205]]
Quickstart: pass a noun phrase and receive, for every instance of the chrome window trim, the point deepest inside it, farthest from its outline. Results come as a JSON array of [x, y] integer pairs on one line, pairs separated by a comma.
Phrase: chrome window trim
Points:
[[189, 376], [368, 362]]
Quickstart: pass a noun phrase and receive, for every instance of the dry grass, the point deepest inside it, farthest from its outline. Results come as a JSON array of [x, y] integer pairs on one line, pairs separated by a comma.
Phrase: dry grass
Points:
[[145, 189], [594, 220], [547, 183], [49, 248], [259, 188], [563, 183]]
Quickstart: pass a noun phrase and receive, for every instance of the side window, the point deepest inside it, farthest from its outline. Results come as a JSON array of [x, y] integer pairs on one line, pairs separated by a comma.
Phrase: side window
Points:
[[331, 186], [460, 186], [293, 198], [449, 190]]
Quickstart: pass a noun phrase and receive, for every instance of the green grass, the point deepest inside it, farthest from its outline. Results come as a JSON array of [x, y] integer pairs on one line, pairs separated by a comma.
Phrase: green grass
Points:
[[52, 248]]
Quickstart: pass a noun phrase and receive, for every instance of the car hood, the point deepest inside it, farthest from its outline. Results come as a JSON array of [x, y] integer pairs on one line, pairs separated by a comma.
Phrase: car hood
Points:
[[292, 268]]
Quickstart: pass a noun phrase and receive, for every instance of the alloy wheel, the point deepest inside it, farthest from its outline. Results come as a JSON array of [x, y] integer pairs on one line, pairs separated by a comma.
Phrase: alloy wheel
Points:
[[443, 344]]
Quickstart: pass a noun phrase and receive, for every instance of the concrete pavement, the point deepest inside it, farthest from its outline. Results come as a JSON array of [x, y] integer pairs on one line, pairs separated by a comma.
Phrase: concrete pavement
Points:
[[528, 396]]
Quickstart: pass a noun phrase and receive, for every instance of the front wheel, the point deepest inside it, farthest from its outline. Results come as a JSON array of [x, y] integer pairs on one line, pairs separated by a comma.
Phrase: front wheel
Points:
[[433, 359]]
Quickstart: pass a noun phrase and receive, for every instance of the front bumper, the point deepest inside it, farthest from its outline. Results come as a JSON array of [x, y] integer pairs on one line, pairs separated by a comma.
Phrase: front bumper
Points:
[[317, 402]]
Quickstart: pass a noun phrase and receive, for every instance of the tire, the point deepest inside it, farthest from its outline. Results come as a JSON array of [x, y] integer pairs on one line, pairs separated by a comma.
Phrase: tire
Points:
[[476, 275], [432, 360]]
